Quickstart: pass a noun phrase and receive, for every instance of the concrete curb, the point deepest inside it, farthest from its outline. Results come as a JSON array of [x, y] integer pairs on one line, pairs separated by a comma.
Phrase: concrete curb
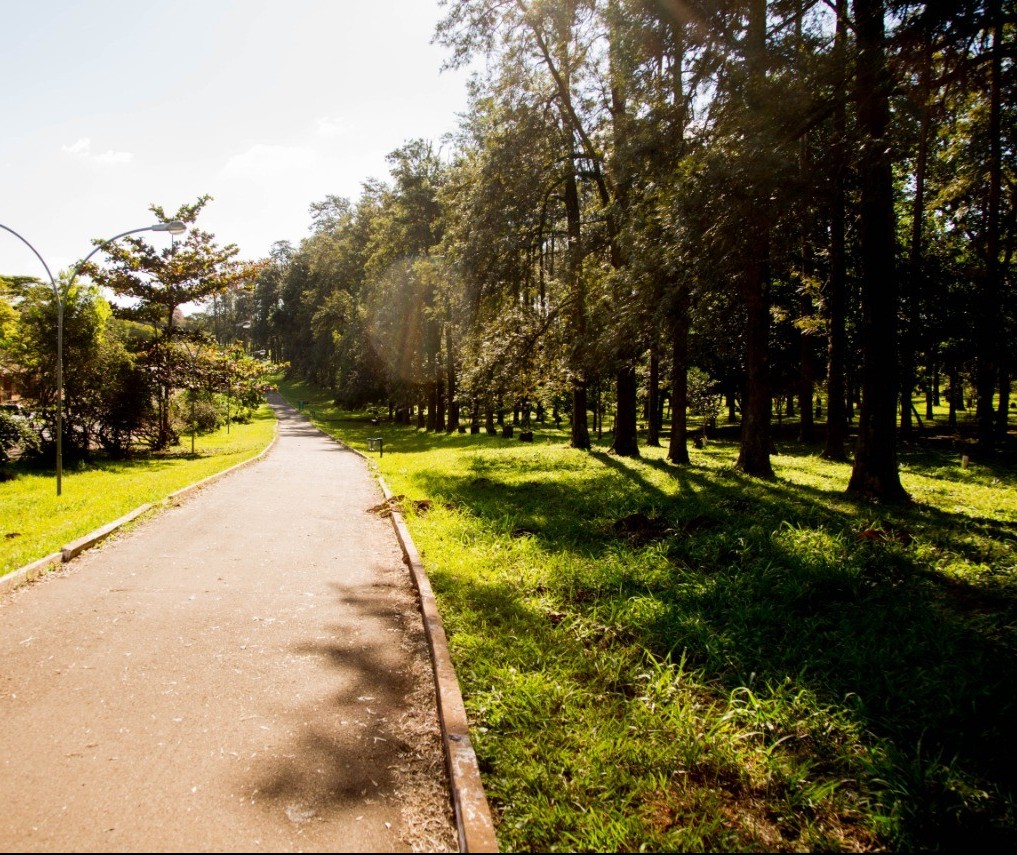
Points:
[[75, 548], [31, 572], [474, 822], [472, 812]]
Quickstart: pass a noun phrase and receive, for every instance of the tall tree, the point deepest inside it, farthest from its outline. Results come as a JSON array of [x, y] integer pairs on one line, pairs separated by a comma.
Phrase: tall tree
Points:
[[160, 281], [754, 453], [875, 473], [990, 304]]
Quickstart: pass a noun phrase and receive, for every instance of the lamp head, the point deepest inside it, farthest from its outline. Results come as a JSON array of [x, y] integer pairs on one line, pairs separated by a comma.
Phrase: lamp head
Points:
[[175, 227]]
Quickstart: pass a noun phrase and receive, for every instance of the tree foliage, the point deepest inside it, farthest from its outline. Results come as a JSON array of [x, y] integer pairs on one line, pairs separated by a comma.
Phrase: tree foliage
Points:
[[123, 360], [811, 203]]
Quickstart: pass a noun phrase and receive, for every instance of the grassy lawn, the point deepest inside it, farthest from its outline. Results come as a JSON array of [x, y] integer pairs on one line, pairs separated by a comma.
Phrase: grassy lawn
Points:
[[687, 659], [34, 521]]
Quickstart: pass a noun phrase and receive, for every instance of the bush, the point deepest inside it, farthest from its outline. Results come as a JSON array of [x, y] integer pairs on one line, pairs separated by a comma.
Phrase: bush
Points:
[[197, 411], [205, 416], [16, 434]]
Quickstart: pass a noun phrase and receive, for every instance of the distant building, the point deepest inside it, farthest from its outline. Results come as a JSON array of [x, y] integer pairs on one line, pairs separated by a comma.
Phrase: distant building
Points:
[[9, 390]]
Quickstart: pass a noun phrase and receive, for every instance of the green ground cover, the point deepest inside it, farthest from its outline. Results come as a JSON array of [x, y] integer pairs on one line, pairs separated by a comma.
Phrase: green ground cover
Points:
[[667, 658], [35, 522]]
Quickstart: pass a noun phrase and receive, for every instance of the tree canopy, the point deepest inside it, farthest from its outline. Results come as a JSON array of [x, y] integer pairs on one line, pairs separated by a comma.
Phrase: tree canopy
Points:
[[810, 203]]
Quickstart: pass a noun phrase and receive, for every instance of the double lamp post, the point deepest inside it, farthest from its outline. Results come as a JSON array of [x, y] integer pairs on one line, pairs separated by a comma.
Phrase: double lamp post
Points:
[[174, 227]]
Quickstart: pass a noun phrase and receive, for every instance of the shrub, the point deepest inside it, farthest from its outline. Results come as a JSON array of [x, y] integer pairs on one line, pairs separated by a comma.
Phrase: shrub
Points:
[[15, 434]]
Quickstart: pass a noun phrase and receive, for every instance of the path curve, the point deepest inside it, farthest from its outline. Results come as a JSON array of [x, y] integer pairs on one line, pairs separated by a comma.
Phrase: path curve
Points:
[[245, 671]]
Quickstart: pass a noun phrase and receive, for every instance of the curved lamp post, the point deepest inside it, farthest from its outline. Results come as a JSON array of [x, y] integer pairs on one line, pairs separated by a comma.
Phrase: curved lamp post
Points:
[[174, 227]]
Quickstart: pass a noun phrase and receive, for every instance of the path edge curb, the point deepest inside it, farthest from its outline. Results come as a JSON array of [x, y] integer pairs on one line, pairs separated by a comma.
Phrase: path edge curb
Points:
[[474, 823], [30, 572], [472, 812]]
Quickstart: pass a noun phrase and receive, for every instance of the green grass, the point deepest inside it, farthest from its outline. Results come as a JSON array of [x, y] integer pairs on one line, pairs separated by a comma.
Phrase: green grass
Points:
[[35, 522], [747, 665]]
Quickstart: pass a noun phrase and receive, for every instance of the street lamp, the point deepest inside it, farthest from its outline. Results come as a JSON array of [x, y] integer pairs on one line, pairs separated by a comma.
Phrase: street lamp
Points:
[[174, 227]]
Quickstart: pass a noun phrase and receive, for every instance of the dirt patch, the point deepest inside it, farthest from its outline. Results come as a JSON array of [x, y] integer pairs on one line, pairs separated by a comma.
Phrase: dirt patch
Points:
[[702, 522], [402, 504], [640, 527]]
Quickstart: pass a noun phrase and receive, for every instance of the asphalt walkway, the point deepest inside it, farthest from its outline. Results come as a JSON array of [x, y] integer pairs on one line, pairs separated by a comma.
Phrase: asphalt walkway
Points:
[[246, 671]]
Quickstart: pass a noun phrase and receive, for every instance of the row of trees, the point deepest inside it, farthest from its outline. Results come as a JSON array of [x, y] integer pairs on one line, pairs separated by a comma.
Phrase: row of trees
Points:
[[128, 362], [788, 195]]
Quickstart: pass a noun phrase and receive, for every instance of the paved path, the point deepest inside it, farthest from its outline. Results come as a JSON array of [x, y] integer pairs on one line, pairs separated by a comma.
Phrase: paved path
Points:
[[244, 672]]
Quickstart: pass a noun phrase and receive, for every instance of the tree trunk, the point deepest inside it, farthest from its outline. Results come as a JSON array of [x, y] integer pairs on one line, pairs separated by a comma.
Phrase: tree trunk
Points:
[[580, 432], [916, 266], [1003, 409], [439, 390], [875, 473], [990, 302], [955, 393], [652, 396], [678, 448], [450, 371], [807, 367], [754, 453], [807, 390], [836, 288], [625, 442], [626, 425], [432, 353]]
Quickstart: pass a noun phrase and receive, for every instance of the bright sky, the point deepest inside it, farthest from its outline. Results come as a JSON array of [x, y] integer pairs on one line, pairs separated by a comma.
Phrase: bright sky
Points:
[[108, 106]]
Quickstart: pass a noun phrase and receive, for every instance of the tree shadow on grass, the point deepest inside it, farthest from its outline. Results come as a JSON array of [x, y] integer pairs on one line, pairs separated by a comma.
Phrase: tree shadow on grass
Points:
[[774, 581]]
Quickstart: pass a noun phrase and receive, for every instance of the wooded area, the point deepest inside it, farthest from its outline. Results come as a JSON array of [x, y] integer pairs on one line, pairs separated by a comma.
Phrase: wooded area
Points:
[[809, 203], [136, 371]]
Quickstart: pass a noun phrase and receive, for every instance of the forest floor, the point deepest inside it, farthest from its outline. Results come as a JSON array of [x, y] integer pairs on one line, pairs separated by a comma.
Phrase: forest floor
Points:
[[684, 658]]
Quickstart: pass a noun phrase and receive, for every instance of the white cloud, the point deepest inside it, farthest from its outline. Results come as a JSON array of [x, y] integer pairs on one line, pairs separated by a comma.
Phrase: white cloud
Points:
[[264, 159], [114, 157], [82, 148], [331, 127]]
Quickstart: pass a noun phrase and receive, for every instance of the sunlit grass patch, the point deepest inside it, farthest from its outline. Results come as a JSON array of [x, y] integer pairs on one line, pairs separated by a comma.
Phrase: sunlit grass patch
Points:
[[35, 522]]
